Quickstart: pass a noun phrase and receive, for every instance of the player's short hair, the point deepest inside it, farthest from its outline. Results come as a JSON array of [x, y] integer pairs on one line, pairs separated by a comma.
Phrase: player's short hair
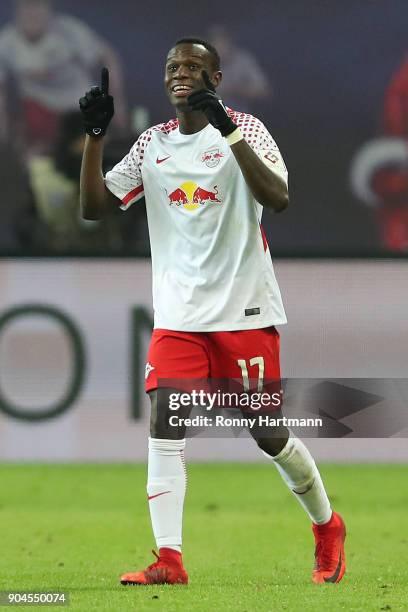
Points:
[[210, 48]]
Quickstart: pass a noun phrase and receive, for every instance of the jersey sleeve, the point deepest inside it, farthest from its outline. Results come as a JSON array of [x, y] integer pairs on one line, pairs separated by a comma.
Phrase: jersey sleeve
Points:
[[125, 179], [260, 140]]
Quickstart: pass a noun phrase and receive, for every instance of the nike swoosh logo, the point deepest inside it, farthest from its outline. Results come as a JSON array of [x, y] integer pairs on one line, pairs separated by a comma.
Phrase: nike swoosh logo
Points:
[[336, 574], [149, 497], [160, 161]]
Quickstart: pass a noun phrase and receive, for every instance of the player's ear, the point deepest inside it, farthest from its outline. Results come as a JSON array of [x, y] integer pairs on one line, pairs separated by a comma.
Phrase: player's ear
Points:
[[217, 78]]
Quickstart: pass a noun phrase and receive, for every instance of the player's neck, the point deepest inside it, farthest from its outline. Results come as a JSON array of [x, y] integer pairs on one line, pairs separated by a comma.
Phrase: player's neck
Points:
[[191, 122]]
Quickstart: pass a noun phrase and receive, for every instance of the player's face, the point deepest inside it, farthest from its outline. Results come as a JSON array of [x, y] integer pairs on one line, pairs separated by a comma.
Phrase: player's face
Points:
[[184, 66], [33, 19]]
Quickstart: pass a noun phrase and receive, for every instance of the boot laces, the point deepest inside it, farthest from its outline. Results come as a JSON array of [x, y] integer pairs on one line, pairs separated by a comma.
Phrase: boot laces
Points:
[[155, 564], [157, 570]]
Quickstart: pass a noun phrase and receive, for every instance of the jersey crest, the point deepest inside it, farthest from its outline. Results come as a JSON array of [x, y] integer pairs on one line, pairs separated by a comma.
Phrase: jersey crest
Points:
[[212, 157]]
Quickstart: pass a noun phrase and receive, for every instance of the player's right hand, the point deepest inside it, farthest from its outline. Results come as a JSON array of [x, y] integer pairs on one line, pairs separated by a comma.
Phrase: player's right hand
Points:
[[97, 108], [207, 101]]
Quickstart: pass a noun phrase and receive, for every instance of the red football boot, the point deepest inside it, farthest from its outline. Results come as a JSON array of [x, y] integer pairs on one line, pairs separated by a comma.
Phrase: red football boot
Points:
[[330, 561], [168, 569]]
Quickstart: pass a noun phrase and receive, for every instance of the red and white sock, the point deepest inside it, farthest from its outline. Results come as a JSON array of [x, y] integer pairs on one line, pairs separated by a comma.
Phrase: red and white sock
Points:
[[298, 469], [166, 488]]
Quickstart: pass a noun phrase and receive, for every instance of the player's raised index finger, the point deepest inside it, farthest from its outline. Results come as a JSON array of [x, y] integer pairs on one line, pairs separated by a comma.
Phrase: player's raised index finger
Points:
[[105, 81]]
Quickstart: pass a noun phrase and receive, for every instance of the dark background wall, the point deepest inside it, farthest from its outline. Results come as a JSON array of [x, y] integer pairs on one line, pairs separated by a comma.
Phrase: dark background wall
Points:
[[329, 63]]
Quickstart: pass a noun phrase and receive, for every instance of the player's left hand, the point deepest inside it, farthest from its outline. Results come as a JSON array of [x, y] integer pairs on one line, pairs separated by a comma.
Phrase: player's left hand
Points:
[[207, 101]]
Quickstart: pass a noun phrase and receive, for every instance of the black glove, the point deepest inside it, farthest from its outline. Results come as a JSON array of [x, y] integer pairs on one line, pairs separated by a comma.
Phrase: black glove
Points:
[[97, 107], [207, 101]]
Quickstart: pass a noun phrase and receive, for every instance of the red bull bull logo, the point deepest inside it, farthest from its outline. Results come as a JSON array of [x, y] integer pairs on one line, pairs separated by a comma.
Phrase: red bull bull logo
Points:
[[191, 196], [212, 157]]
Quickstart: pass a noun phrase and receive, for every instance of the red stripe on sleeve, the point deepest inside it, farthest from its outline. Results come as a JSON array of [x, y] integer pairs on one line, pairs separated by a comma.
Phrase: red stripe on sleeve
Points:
[[264, 240], [132, 194]]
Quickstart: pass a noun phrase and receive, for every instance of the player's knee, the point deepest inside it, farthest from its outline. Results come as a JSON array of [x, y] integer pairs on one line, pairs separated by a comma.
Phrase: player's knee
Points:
[[156, 421], [160, 426], [154, 427], [272, 446], [161, 430], [271, 441]]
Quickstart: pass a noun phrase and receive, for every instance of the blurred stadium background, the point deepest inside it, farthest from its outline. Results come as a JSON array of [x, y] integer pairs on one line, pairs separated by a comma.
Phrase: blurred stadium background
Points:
[[326, 79]]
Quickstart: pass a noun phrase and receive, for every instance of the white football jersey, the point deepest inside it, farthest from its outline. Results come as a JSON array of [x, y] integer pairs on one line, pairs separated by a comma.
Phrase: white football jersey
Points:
[[212, 269]]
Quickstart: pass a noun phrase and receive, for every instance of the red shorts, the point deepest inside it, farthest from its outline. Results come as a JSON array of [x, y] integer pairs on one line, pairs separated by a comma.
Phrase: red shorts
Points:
[[216, 355]]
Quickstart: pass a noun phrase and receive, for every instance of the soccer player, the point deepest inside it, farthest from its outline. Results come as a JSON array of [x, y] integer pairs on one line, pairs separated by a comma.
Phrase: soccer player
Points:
[[206, 177]]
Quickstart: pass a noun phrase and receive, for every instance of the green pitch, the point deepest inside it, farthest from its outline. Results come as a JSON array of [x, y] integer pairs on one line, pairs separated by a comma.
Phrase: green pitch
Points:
[[248, 545]]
